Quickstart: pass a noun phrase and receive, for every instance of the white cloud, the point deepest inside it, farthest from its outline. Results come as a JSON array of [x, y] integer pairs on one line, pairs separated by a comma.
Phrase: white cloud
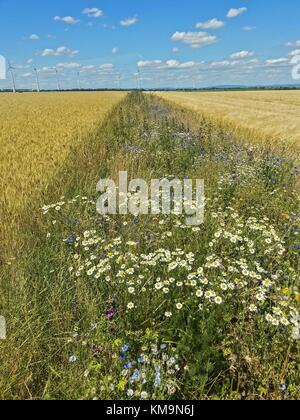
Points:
[[210, 24], [175, 50], [92, 12], [242, 54], [249, 28], [294, 53], [69, 20], [34, 37], [107, 66], [115, 50], [194, 39], [60, 51], [69, 66], [129, 22], [166, 65], [277, 61], [232, 13], [294, 44]]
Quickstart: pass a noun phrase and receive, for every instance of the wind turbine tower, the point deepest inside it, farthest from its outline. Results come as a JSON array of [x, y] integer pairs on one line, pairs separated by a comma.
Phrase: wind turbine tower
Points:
[[10, 69], [38, 89]]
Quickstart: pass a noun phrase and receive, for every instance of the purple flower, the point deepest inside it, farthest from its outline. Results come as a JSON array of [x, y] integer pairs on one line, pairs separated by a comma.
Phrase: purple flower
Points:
[[110, 313], [95, 350]]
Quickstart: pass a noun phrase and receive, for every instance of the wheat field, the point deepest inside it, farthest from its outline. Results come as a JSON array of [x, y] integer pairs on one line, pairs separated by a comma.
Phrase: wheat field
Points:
[[271, 115], [37, 133]]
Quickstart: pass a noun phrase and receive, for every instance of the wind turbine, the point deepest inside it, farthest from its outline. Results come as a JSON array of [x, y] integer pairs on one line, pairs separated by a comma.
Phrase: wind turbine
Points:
[[78, 81], [10, 68], [57, 80], [119, 80], [138, 81], [38, 89]]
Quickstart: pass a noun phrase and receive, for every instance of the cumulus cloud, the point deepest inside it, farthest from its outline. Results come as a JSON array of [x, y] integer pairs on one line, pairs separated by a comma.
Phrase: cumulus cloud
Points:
[[115, 50], [92, 12], [129, 22], [210, 24], [242, 54], [294, 53], [194, 39], [60, 51], [232, 13], [69, 20]]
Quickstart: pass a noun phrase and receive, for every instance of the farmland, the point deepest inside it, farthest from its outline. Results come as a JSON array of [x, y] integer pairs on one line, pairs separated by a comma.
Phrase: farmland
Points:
[[37, 134], [273, 116], [145, 307]]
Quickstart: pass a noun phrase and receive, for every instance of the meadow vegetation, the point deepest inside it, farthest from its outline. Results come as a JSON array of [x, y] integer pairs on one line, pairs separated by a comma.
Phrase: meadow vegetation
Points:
[[124, 307]]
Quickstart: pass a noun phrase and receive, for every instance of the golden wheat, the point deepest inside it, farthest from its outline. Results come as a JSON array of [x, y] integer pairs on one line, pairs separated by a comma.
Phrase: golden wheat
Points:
[[272, 115], [37, 133]]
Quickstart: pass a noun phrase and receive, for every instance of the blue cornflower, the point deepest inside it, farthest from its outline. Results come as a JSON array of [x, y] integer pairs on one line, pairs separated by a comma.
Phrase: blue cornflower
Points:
[[128, 365], [297, 247], [125, 348], [141, 360], [136, 376], [70, 240]]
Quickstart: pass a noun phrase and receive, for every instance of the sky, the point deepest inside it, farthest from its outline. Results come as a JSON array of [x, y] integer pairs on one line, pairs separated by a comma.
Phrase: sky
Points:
[[149, 44]]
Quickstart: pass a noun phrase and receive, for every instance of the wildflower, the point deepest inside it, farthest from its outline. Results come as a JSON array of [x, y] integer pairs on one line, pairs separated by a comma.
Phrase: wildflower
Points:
[[144, 395], [130, 306], [218, 300], [199, 293], [70, 240], [284, 322], [282, 387], [128, 366], [253, 308], [269, 318], [110, 313], [168, 314], [125, 349], [72, 359], [179, 306], [130, 393]]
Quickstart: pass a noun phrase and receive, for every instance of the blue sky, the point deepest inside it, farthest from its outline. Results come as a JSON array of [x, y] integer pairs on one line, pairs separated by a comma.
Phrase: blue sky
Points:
[[174, 43]]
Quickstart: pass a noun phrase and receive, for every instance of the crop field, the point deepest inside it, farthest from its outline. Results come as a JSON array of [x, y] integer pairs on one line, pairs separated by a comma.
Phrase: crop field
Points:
[[273, 116], [147, 307], [37, 134]]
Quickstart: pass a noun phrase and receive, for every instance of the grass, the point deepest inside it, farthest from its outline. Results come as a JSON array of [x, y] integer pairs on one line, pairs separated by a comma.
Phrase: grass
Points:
[[145, 307], [262, 117]]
